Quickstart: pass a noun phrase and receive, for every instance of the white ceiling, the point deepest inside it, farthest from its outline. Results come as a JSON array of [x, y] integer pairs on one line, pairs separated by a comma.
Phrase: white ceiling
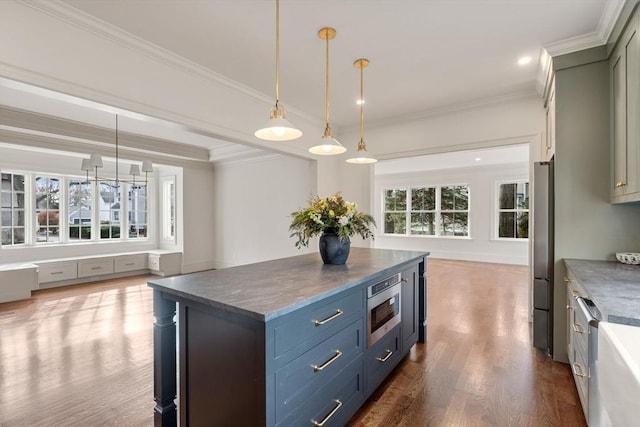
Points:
[[426, 55]]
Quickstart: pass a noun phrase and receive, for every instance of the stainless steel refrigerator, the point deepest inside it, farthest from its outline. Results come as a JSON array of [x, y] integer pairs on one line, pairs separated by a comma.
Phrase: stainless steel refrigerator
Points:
[[543, 256]]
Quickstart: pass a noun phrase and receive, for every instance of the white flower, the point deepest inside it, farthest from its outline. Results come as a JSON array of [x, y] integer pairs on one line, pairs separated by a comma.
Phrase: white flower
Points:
[[343, 220]]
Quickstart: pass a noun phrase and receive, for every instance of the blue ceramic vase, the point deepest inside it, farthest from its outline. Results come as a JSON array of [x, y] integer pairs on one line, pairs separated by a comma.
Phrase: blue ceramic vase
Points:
[[332, 250]]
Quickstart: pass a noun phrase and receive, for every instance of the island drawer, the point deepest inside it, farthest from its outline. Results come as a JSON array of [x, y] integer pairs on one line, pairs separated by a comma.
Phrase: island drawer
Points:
[[382, 358], [310, 325], [54, 272], [301, 377], [333, 404]]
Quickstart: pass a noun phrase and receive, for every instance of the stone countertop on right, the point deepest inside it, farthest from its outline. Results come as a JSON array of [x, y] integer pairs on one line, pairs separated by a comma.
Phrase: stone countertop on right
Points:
[[612, 286]]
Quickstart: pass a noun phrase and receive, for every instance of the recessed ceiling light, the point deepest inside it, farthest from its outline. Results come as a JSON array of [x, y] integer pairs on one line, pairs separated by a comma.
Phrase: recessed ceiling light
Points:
[[360, 101], [524, 60], [478, 159]]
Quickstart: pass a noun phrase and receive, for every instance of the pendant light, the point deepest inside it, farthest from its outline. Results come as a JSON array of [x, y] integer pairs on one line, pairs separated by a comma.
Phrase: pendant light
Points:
[[328, 144], [362, 155], [278, 128]]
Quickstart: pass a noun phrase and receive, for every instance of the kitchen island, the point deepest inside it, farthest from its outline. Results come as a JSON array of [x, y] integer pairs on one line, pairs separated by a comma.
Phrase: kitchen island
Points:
[[282, 342]]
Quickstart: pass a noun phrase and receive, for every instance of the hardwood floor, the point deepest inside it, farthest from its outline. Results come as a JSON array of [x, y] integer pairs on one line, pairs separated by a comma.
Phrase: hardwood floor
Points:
[[81, 356]]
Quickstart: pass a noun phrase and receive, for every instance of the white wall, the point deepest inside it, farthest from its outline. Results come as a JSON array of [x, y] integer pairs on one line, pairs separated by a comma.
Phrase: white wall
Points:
[[252, 204], [481, 244]]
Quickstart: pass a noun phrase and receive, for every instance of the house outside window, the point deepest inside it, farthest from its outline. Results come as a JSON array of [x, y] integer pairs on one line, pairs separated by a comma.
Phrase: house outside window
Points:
[[47, 205], [80, 213], [427, 211], [12, 209], [109, 209], [513, 210]]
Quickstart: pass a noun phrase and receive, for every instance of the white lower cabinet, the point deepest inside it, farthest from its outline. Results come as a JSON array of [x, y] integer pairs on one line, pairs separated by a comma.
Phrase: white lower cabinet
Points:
[[95, 267], [132, 262], [57, 271]]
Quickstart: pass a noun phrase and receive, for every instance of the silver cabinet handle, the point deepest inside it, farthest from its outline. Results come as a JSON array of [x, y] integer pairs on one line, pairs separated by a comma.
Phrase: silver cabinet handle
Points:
[[328, 319], [317, 368], [131, 263], [578, 328], [96, 268], [386, 357], [577, 370], [404, 280], [331, 414], [56, 272]]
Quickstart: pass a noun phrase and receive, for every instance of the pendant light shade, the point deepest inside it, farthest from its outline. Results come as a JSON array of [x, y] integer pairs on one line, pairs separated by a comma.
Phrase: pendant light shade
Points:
[[362, 155], [328, 145], [278, 128]]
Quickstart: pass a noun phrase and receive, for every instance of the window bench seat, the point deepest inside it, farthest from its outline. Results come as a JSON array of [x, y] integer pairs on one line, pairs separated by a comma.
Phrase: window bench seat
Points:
[[17, 280]]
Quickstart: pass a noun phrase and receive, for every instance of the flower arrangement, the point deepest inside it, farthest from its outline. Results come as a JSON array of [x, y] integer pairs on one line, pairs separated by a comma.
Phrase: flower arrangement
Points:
[[330, 215]]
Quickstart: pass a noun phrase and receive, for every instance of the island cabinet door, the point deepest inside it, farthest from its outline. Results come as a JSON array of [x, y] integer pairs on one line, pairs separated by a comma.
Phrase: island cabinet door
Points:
[[409, 308], [221, 367]]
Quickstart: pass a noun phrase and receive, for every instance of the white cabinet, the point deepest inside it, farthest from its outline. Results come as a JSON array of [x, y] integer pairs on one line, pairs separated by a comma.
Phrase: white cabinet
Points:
[[130, 262], [57, 271], [95, 267], [165, 263], [625, 114], [17, 281]]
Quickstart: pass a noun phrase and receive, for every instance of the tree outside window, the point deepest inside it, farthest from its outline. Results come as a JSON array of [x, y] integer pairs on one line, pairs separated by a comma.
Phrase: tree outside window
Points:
[[395, 211], [80, 202], [513, 210], [47, 203], [109, 209], [431, 211], [137, 202]]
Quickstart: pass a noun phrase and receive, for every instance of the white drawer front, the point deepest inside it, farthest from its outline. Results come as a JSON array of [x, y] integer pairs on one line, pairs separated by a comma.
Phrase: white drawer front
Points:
[[57, 272], [130, 262], [95, 267]]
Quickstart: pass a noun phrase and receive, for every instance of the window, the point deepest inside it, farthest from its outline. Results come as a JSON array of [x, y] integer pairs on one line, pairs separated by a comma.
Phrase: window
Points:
[[12, 209], [168, 208], [137, 205], [109, 209], [513, 210], [423, 211], [80, 202], [395, 215], [47, 203], [427, 211], [454, 206]]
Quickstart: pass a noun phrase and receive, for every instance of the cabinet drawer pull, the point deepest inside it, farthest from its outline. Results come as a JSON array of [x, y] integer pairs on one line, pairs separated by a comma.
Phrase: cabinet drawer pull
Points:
[[331, 414], [130, 263], [578, 328], [56, 272], [404, 280], [96, 268], [328, 319], [620, 184], [317, 368], [577, 370], [386, 357], [566, 279]]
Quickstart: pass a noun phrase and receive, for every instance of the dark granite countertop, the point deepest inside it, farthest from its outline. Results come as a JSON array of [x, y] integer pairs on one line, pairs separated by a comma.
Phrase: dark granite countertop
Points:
[[270, 289], [613, 287]]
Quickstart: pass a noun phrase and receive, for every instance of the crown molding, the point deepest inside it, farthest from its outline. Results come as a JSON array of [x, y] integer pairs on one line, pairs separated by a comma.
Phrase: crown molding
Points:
[[89, 23], [599, 37]]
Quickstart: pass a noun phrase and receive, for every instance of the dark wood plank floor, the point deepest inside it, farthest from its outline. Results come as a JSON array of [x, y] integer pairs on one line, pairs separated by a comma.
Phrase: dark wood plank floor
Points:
[[81, 356]]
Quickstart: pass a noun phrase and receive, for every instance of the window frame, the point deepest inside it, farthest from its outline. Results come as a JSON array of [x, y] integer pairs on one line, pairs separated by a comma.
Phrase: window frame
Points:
[[438, 210], [61, 209], [26, 236]]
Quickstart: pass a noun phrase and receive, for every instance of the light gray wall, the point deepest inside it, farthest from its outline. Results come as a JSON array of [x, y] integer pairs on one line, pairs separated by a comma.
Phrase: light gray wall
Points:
[[251, 207], [587, 225]]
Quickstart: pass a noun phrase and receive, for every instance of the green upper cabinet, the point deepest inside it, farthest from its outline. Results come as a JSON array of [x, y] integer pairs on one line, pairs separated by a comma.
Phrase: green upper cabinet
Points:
[[625, 90]]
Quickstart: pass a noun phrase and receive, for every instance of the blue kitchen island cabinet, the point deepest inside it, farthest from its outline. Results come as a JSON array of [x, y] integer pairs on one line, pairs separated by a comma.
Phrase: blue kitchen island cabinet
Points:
[[283, 342]]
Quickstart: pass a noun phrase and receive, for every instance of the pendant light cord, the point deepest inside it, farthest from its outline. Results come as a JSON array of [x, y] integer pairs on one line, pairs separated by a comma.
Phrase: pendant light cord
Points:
[[327, 81], [277, 52], [117, 180], [361, 102]]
